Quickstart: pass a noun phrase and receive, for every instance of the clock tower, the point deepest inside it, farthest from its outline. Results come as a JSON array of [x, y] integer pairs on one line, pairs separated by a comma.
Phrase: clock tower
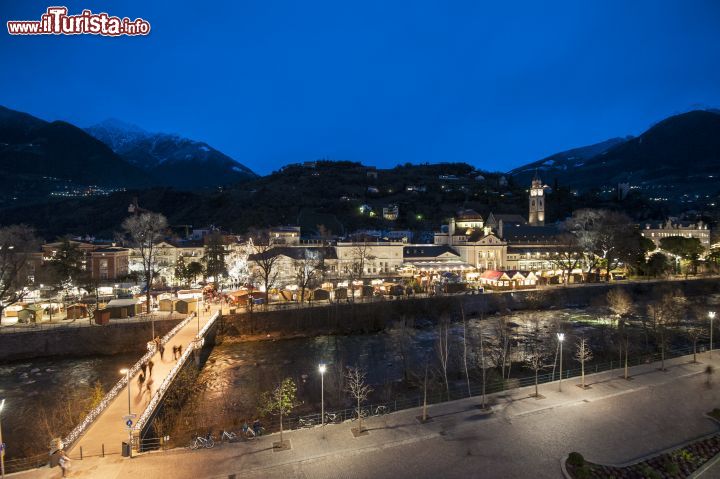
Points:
[[536, 217]]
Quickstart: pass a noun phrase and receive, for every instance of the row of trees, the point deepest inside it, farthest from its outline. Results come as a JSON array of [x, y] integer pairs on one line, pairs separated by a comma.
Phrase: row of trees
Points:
[[598, 240], [282, 399]]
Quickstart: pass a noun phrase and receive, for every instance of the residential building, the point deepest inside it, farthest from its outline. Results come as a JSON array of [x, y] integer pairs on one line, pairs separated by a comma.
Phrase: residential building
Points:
[[658, 231], [109, 263]]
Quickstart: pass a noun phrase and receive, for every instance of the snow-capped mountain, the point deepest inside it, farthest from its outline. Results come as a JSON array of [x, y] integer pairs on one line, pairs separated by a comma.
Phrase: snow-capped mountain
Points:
[[170, 159]]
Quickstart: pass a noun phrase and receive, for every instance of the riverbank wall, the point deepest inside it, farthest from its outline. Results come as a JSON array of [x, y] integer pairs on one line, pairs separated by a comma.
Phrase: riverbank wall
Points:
[[354, 318], [81, 341]]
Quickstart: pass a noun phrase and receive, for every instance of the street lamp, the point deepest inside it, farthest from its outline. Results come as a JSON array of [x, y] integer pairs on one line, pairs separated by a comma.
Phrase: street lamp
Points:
[[2, 445], [561, 338], [711, 315], [322, 368], [126, 372]]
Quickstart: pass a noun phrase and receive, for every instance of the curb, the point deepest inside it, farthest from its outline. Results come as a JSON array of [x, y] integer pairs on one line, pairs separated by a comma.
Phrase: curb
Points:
[[705, 467], [563, 467]]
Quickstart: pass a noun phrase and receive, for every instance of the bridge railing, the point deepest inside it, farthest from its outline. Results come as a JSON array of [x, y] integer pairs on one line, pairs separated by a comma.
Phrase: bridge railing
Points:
[[120, 385], [167, 382]]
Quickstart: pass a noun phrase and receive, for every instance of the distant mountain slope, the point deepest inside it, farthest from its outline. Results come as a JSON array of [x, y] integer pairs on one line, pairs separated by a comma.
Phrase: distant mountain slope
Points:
[[30, 147], [680, 153], [172, 160], [560, 163]]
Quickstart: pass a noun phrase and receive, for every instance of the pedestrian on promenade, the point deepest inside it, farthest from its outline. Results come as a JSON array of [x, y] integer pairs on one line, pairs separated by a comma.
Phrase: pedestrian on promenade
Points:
[[150, 366], [149, 386], [141, 380], [257, 427], [179, 351], [162, 351], [174, 352], [144, 368], [64, 463]]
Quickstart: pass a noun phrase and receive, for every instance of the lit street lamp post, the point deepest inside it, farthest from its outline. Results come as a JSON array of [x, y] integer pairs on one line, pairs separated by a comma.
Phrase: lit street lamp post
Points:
[[322, 368], [561, 338], [2, 451], [711, 315]]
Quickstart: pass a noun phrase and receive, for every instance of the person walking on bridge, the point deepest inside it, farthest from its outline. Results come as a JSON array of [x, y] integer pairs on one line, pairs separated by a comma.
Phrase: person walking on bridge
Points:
[[144, 368], [150, 366], [162, 351]]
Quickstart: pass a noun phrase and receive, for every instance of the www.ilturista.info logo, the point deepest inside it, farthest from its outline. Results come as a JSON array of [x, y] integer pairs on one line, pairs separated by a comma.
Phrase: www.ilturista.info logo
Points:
[[57, 22]]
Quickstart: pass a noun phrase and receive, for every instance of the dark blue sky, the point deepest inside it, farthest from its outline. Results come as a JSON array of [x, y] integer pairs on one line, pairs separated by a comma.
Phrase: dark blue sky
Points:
[[494, 84]]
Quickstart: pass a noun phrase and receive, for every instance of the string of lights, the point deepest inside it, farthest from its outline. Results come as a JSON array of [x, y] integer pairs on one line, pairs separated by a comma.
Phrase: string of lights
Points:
[[165, 385], [121, 384]]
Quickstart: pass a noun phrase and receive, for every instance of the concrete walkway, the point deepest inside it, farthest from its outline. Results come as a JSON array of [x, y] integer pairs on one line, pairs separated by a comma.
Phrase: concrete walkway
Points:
[[613, 422], [109, 430]]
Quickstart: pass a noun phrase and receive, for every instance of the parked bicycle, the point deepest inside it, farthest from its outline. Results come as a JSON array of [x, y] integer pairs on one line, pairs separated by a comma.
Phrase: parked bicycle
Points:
[[380, 410], [306, 422], [331, 418], [228, 436], [202, 441]]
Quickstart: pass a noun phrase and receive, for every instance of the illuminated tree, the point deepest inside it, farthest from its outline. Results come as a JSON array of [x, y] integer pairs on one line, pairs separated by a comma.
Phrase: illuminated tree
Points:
[[238, 269], [582, 355], [17, 243], [358, 390], [536, 354]]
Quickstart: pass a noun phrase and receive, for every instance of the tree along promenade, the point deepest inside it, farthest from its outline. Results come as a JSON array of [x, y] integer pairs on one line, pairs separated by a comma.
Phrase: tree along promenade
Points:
[[614, 421]]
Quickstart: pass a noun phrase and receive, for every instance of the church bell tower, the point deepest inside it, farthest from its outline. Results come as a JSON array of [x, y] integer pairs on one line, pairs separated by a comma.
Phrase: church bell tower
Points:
[[536, 216]]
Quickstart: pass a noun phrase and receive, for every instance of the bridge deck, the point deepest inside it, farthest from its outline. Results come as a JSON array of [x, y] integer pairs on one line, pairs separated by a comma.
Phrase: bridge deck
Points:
[[109, 428]]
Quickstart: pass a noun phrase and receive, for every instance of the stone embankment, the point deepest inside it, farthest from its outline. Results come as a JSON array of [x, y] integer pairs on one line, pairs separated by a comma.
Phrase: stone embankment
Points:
[[359, 317], [82, 341]]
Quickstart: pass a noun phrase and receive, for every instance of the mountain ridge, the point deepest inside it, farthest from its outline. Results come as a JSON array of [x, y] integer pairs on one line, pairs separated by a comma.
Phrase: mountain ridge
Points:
[[172, 159]]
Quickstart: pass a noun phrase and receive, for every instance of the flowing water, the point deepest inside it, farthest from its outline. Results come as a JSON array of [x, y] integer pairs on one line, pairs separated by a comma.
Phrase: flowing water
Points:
[[236, 373], [35, 390]]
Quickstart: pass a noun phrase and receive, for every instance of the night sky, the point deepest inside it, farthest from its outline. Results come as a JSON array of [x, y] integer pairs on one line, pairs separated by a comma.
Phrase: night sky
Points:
[[494, 84]]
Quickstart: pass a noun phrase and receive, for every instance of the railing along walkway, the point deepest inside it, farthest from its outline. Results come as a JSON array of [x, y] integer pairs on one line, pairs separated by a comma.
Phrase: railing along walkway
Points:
[[104, 429]]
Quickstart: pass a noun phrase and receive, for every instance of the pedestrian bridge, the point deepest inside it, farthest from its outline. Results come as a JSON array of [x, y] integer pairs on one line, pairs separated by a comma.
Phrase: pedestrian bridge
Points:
[[126, 411]]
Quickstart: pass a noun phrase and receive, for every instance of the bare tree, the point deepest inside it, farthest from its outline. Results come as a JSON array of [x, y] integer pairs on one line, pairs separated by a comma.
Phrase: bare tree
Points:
[[145, 231], [309, 270], [403, 333], [358, 390], [582, 355], [605, 238], [360, 256], [569, 255], [442, 350], [266, 262], [664, 316], [694, 334], [17, 243], [499, 347], [620, 303], [536, 354], [482, 362], [465, 355]]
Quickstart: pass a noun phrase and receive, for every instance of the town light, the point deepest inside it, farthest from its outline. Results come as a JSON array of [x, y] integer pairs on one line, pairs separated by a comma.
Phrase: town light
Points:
[[2, 451], [561, 338], [711, 315], [322, 368]]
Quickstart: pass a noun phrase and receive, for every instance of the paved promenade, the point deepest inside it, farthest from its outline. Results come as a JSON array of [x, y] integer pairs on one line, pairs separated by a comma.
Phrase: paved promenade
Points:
[[109, 429], [615, 421]]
